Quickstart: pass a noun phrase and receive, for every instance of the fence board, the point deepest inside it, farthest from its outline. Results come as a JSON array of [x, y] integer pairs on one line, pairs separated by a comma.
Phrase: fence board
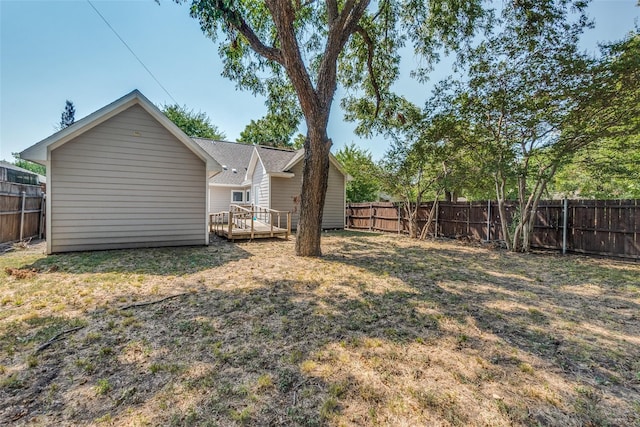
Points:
[[11, 211], [599, 227]]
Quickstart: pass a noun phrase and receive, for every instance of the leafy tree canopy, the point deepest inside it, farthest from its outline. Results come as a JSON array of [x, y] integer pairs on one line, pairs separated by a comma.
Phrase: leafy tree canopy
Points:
[[193, 124], [272, 130], [312, 47], [365, 183], [30, 166], [278, 127], [610, 167]]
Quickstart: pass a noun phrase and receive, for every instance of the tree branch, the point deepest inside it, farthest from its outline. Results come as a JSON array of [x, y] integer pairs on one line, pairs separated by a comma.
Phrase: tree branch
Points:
[[332, 11], [57, 337], [236, 20], [283, 16], [143, 304], [339, 32], [370, 52]]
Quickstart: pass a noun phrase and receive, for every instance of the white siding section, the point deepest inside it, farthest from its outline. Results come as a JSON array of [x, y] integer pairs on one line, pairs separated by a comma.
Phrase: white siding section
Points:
[[261, 180], [220, 198], [285, 196], [126, 183]]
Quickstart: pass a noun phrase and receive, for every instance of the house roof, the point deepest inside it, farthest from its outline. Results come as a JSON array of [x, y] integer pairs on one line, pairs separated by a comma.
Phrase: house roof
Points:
[[39, 152], [299, 155], [239, 161], [275, 159], [232, 156], [238, 157]]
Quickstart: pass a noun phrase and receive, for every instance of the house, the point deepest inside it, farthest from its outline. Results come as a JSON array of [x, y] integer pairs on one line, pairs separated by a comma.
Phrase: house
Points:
[[127, 177], [18, 175], [269, 177], [124, 177]]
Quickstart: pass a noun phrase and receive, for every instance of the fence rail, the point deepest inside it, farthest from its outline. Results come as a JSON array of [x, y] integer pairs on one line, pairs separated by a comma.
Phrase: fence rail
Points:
[[21, 212], [599, 227]]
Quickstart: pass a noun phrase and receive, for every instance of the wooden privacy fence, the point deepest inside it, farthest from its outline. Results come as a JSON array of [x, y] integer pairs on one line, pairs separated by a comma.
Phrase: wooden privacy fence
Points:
[[21, 212], [599, 227]]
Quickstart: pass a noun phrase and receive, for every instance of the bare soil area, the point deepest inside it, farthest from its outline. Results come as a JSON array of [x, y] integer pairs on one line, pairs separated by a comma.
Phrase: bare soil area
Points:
[[382, 330]]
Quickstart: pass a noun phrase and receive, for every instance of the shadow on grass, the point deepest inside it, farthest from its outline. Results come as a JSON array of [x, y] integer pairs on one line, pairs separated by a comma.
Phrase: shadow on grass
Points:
[[170, 261], [405, 333], [244, 356], [541, 304]]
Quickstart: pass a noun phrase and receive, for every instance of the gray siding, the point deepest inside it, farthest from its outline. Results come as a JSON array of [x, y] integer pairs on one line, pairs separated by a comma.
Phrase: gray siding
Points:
[[286, 193], [126, 183], [334, 204]]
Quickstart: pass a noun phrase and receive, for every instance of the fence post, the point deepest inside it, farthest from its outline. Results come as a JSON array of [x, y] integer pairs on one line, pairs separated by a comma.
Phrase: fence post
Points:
[[565, 221], [437, 208], [24, 197], [399, 218], [488, 220], [469, 220], [42, 213], [370, 216]]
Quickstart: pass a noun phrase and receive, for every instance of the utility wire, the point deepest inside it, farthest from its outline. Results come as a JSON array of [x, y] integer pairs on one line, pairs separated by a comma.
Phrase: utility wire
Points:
[[132, 52]]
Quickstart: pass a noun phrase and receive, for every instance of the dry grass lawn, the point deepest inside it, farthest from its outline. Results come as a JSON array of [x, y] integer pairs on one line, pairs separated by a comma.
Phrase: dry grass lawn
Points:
[[382, 330]]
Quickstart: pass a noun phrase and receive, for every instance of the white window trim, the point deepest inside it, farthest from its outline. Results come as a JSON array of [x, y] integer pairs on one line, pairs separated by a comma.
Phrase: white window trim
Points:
[[241, 196]]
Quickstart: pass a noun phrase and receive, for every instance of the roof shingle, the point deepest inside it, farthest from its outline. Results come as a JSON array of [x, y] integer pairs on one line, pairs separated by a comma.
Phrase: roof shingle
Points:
[[236, 156], [232, 155]]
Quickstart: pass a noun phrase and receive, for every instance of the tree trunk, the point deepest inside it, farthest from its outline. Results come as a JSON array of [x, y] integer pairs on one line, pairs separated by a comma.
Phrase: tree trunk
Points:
[[432, 211], [412, 216], [532, 207], [500, 187], [413, 229], [518, 233], [315, 176]]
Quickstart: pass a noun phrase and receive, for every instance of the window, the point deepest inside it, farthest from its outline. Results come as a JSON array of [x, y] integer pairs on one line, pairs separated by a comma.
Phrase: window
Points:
[[236, 196], [248, 198], [21, 177]]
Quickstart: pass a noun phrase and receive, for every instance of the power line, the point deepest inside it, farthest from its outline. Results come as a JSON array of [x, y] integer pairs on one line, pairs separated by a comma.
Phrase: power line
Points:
[[132, 52]]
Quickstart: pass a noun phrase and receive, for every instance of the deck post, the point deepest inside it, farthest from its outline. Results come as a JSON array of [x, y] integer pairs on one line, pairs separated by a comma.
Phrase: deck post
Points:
[[288, 224], [252, 216], [230, 224], [271, 222]]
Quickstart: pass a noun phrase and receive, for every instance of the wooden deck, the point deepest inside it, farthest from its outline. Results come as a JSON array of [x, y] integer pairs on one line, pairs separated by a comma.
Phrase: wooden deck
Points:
[[250, 222]]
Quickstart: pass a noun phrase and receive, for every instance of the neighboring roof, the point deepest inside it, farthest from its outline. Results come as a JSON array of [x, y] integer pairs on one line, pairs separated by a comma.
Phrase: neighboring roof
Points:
[[7, 165], [38, 152], [232, 155]]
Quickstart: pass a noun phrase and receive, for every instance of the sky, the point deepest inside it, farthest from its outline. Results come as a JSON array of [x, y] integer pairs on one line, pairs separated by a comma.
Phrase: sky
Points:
[[51, 51]]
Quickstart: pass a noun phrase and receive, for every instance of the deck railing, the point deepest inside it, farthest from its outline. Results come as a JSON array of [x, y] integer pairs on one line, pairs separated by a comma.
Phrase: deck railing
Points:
[[249, 218]]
